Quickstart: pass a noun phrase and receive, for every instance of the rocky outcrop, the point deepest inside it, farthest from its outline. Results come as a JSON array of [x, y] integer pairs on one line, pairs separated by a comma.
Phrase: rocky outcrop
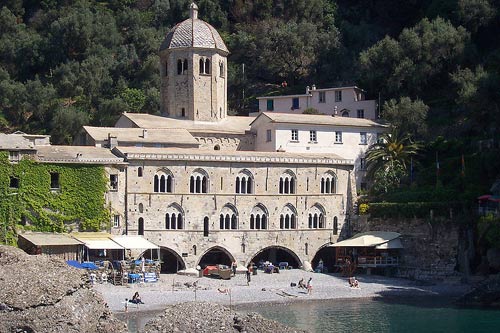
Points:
[[211, 318], [43, 294], [486, 293]]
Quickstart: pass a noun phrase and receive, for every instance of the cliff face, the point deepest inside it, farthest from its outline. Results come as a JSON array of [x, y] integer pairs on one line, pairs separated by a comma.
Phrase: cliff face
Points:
[[43, 294], [430, 249]]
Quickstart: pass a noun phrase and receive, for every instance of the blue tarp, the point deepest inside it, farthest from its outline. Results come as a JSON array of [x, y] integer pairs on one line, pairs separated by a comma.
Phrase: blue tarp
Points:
[[84, 265]]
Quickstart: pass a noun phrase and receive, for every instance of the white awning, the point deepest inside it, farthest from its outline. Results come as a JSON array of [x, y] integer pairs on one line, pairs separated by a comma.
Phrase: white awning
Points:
[[101, 244], [370, 239], [392, 244], [135, 242]]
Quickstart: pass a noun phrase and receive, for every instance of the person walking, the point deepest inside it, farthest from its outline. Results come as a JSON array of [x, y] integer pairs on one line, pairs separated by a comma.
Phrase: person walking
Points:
[[233, 267], [249, 273]]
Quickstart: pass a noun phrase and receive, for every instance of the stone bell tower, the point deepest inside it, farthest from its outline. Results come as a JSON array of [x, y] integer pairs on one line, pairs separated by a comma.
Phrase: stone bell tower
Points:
[[193, 69]]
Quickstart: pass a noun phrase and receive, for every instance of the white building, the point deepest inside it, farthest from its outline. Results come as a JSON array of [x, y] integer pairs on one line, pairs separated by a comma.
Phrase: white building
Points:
[[342, 101]]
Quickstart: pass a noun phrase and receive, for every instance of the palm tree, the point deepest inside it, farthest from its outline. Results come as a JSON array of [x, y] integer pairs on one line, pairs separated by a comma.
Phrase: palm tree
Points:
[[390, 157]]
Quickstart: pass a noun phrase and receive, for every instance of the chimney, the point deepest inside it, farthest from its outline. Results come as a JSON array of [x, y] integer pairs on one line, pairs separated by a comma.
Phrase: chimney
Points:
[[313, 87], [144, 133], [307, 90], [193, 11], [112, 141]]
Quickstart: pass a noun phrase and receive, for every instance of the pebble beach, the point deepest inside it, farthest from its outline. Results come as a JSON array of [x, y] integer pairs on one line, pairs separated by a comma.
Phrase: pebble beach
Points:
[[263, 288]]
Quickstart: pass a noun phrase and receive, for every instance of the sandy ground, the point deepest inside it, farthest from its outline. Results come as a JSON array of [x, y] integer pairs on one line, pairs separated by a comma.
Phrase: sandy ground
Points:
[[263, 288]]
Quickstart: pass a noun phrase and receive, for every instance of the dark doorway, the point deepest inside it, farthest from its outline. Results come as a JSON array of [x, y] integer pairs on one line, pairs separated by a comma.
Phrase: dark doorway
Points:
[[216, 256], [206, 230], [327, 254], [276, 255], [171, 262]]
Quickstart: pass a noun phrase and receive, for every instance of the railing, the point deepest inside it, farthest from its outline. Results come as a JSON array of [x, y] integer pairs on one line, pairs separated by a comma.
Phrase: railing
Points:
[[377, 261]]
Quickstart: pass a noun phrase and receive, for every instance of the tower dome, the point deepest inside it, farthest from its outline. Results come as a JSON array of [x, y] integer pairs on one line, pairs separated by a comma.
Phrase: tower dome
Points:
[[193, 33]]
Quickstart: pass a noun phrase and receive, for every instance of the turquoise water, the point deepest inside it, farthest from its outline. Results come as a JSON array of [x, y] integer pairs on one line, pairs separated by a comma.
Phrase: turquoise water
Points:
[[397, 314], [414, 314]]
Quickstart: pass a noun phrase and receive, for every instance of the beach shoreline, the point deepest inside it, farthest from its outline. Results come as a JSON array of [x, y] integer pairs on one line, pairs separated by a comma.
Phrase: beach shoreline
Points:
[[265, 289]]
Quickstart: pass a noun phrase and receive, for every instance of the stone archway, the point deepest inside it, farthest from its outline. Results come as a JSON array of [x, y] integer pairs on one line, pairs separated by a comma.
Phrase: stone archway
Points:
[[216, 255], [277, 254], [171, 262], [327, 254]]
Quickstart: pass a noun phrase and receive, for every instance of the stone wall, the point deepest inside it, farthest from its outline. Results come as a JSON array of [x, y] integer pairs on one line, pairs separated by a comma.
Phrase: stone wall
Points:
[[430, 247]]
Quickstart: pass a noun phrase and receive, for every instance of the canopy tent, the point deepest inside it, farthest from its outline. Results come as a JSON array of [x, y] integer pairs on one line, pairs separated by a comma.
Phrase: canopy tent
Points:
[[372, 239], [98, 241], [137, 243], [83, 265]]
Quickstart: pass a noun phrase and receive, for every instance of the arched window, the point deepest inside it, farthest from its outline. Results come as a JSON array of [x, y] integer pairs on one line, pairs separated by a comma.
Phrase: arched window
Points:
[[345, 113], [207, 66], [206, 226], [288, 217], [287, 183], [202, 66], [185, 67], [316, 217], [258, 217], [183, 112], [163, 182], [244, 182], [141, 208], [140, 227], [179, 67], [228, 218], [139, 172], [198, 182], [221, 69], [174, 217], [216, 147], [335, 225], [329, 182]]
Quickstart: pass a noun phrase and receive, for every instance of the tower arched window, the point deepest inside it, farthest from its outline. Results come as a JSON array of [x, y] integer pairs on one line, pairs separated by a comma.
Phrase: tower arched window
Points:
[[139, 172], [198, 182], [258, 218], [179, 67], [185, 67], [335, 225], [288, 217], [207, 66], [174, 217], [163, 182], [221, 69], [202, 66], [287, 183], [329, 182], [244, 182]]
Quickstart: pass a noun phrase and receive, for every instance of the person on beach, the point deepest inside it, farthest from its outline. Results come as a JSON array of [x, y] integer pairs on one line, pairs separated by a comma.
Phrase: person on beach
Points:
[[302, 284], [136, 299], [126, 304], [249, 272], [309, 286], [233, 267]]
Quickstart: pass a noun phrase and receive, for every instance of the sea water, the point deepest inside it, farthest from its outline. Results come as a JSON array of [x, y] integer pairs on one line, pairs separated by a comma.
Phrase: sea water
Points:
[[396, 314]]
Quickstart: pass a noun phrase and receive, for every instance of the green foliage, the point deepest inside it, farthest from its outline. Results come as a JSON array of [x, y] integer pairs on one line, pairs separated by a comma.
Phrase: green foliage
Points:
[[364, 208], [134, 98], [489, 228], [413, 209], [310, 110], [407, 116], [78, 203]]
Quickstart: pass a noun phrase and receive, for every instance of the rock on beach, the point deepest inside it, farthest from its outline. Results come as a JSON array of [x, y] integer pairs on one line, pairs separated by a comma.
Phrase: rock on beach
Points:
[[43, 294], [211, 318]]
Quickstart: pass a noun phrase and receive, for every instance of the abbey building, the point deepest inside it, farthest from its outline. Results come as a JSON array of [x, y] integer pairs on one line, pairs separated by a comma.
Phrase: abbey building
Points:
[[211, 188]]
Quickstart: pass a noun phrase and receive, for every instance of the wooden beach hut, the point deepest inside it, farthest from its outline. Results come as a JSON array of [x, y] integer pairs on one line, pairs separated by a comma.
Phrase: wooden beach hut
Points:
[[53, 244]]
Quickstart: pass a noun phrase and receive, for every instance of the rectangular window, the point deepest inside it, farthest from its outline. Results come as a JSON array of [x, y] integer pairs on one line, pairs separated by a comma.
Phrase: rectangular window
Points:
[[269, 136], [361, 113], [338, 96], [295, 103], [362, 138], [338, 137], [14, 182], [116, 221], [270, 105], [322, 97], [54, 181], [13, 156], [113, 182], [295, 135], [312, 136], [362, 163]]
